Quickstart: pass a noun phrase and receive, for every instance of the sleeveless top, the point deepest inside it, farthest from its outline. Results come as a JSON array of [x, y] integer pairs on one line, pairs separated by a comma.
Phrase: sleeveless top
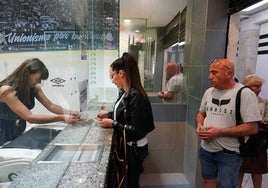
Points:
[[11, 125]]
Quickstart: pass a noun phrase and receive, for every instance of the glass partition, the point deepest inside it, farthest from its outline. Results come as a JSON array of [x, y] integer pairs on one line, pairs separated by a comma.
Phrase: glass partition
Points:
[[81, 39], [77, 40], [147, 44]]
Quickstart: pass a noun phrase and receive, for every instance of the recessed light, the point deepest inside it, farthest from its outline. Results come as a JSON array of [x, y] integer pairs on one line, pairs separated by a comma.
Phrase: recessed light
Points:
[[182, 43], [255, 6], [127, 21]]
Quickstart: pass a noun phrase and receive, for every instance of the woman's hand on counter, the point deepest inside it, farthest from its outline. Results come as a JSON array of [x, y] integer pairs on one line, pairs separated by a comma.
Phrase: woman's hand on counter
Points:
[[103, 114], [75, 113], [105, 122], [71, 119]]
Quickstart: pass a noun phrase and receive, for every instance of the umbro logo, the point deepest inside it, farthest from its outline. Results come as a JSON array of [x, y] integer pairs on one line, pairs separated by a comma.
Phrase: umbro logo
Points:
[[57, 80]]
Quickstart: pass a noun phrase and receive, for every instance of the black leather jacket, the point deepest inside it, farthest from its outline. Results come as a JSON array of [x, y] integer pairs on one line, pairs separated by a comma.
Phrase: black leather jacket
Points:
[[135, 112]]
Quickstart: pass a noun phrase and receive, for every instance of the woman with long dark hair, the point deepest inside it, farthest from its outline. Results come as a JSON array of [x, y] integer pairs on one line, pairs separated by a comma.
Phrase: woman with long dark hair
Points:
[[17, 94], [133, 112]]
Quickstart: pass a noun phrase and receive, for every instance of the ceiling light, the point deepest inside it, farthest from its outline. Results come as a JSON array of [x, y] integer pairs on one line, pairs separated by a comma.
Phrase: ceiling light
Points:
[[255, 6], [127, 21], [175, 44], [182, 43]]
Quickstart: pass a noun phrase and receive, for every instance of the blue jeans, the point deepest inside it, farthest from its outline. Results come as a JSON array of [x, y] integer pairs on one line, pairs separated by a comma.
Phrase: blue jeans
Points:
[[221, 165], [134, 170]]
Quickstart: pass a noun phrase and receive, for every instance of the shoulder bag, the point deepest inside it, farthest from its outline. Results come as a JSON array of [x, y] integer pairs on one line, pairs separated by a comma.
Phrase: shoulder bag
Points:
[[249, 145], [118, 164]]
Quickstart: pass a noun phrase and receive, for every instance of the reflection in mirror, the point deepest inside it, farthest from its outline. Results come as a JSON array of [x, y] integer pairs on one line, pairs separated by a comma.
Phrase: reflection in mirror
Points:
[[146, 34]]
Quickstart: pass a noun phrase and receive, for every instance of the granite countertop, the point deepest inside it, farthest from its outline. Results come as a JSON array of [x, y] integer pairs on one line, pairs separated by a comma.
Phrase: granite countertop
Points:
[[70, 174]]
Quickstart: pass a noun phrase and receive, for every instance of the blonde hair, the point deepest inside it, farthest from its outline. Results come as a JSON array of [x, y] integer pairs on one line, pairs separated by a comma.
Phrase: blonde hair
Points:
[[252, 80]]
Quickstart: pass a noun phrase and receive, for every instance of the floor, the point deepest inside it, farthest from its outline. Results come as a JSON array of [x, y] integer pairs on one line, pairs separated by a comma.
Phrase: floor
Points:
[[164, 180], [178, 180], [175, 180], [247, 182]]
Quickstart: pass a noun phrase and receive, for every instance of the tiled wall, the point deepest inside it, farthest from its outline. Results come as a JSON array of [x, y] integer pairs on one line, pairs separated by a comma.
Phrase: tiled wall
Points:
[[174, 144], [166, 142], [166, 148], [206, 31]]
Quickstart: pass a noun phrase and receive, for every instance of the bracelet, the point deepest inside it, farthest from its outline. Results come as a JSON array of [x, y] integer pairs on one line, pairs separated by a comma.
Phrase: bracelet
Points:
[[114, 124]]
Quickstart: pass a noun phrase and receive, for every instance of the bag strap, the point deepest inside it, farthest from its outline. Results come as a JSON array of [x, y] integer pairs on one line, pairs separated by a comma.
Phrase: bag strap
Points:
[[237, 106], [125, 141], [124, 146], [237, 111], [121, 182]]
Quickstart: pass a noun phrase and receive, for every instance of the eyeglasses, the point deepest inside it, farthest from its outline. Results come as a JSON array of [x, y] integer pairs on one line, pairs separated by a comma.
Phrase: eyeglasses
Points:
[[112, 75], [218, 61]]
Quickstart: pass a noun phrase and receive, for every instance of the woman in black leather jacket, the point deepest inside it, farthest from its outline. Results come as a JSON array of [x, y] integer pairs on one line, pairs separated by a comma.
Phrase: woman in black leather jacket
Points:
[[132, 110]]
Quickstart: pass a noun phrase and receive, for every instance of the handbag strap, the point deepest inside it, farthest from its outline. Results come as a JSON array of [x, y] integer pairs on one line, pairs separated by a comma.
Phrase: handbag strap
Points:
[[121, 182], [125, 141], [237, 106], [237, 111]]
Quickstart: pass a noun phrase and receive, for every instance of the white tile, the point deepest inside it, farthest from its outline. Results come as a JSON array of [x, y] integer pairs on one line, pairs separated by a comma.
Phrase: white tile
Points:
[[163, 179], [247, 181]]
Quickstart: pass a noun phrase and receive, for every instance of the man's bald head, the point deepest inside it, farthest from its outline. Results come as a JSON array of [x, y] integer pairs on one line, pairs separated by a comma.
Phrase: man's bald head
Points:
[[172, 69]]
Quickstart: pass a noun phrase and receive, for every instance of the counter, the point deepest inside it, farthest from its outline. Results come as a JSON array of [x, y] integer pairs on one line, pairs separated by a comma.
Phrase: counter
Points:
[[70, 174]]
